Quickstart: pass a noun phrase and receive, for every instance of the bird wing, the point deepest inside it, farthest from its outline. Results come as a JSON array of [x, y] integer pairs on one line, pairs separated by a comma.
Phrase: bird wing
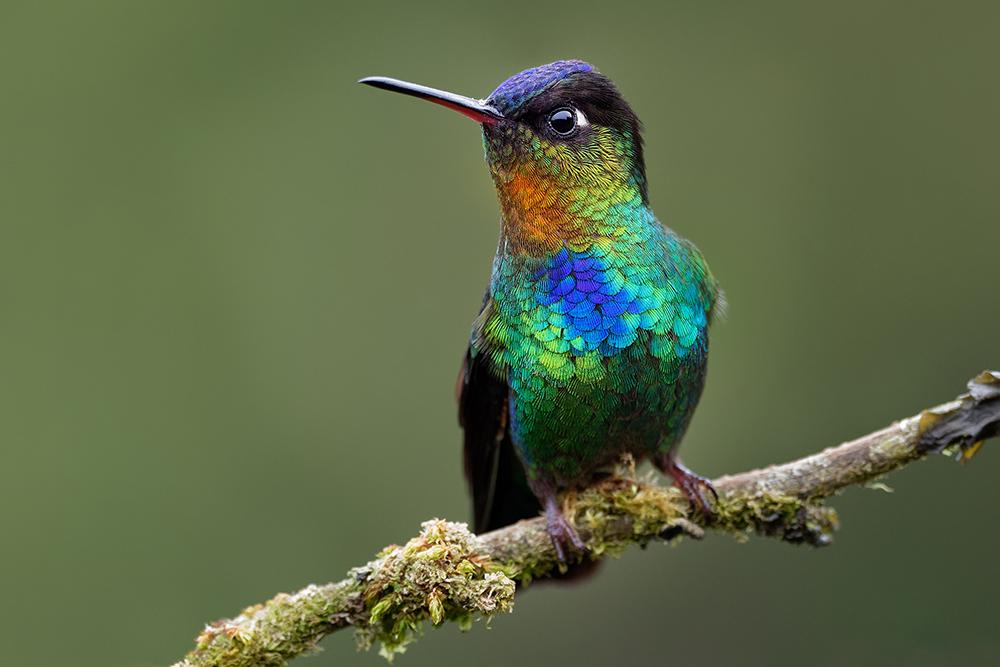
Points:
[[499, 488]]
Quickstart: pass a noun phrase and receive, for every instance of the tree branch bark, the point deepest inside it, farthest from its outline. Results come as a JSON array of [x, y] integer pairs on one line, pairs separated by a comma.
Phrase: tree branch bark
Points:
[[446, 573]]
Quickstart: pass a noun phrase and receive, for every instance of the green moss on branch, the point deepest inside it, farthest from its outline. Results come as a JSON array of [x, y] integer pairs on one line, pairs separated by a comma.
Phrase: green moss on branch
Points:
[[442, 574], [446, 573]]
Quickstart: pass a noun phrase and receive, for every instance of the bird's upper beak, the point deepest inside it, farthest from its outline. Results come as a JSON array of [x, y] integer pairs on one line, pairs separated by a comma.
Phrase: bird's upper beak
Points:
[[477, 110]]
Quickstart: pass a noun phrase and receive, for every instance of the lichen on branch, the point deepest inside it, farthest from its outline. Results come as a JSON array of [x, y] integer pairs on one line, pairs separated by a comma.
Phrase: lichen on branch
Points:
[[441, 575], [447, 573]]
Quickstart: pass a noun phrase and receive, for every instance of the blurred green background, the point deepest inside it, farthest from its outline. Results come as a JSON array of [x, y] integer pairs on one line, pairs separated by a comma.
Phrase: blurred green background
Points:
[[237, 287]]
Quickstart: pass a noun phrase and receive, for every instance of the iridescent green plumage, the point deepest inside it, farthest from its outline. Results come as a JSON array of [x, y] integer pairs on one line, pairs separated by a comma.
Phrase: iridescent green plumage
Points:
[[593, 337], [603, 349]]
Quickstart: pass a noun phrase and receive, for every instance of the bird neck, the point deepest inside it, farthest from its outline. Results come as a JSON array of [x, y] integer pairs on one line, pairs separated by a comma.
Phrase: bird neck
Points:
[[541, 215]]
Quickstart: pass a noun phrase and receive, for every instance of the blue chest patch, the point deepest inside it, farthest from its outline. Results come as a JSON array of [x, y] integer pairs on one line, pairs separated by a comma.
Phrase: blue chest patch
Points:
[[588, 301]]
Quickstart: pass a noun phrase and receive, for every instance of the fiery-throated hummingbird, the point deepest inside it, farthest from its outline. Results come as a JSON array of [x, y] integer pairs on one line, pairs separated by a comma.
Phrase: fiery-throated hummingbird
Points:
[[592, 339]]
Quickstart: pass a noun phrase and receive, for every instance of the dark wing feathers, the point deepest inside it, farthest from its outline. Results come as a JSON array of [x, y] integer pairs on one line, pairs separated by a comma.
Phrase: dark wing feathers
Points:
[[500, 493]]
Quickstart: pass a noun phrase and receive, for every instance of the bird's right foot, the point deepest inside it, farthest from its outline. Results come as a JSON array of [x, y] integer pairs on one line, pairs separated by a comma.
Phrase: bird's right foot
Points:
[[561, 532], [560, 529]]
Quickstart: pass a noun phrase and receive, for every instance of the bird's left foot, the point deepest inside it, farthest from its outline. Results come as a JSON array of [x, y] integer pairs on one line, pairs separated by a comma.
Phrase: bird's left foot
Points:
[[691, 484]]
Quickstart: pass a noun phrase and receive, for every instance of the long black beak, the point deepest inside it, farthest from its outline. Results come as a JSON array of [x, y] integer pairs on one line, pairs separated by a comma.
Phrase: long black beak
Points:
[[477, 110]]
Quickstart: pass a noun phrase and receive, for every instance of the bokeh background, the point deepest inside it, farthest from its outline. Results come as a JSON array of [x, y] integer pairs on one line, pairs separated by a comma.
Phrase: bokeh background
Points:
[[236, 288]]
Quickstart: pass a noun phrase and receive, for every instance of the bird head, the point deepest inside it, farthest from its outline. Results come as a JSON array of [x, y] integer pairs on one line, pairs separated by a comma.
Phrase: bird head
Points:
[[562, 144]]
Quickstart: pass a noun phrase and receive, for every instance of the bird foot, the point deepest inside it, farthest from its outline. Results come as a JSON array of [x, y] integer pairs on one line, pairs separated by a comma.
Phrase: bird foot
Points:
[[562, 533], [692, 485]]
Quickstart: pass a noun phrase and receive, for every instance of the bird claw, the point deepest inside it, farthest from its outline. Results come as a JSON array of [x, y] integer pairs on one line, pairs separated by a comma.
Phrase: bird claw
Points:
[[693, 486], [562, 533], [560, 529]]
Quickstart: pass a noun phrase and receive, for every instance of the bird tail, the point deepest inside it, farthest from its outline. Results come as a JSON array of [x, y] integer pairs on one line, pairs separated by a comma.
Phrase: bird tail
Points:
[[506, 498]]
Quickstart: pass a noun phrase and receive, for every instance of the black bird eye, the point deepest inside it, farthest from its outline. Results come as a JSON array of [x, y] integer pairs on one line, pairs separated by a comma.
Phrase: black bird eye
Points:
[[563, 121]]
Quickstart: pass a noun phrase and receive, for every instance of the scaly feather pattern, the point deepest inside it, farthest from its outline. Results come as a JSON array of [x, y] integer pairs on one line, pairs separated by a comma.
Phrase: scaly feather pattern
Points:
[[598, 314], [593, 337]]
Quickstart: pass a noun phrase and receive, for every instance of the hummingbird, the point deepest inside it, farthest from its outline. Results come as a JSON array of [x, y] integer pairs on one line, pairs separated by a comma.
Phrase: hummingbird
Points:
[[592, 339]]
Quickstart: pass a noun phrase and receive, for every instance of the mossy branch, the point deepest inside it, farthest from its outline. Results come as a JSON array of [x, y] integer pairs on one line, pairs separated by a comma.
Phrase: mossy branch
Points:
[[447, 573]]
